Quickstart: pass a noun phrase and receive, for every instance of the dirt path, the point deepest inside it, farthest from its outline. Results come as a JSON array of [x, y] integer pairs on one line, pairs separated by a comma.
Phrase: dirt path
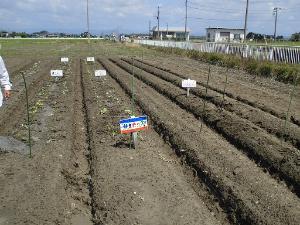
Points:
[[142, 186], [236, 181]]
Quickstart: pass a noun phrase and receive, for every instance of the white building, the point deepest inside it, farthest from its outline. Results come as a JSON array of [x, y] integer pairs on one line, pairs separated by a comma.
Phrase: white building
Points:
[[177, 33], [224, 35]]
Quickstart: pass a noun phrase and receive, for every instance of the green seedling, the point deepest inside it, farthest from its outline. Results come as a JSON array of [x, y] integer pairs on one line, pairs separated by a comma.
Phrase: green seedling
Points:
[[103, 111]]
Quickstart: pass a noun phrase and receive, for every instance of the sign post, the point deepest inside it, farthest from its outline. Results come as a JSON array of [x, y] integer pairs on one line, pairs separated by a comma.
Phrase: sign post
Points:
[[132, 126], [188, 84]]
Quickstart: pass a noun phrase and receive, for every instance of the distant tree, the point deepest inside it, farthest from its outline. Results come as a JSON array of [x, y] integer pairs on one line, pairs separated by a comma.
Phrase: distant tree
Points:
[[295, 37], [279, 37], [255, 36]]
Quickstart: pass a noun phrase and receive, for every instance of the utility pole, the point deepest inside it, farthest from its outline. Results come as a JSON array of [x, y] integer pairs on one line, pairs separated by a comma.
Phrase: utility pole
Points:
[[149, 28], [185, 25], [167, 29], [88, 19], [246, 20], [158, 14], [275, 12]]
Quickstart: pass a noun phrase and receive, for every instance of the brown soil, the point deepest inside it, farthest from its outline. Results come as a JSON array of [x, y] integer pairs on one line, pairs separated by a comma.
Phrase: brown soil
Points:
[[51, 187], [265, 94], [239, 184], [146, 185], [270, 123], [202, 161], [264, 148]]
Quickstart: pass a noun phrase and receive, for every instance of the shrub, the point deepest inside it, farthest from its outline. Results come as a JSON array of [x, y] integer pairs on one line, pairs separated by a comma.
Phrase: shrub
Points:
[[193, 54], [231, 61], [264, 69], [214, 58], [285, 73], [250, 66]]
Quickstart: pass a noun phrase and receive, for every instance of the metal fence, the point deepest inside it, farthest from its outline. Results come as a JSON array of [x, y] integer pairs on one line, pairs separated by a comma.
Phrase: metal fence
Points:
[[271, 53]]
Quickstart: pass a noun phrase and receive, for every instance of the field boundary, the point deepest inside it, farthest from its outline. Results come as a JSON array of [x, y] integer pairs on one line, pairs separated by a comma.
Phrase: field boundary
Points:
[[283, 54]]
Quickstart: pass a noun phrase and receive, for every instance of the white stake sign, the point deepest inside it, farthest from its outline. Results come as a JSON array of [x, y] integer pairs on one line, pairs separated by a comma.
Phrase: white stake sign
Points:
[[57, 73], [90, 59], [188, 84], [100, 73], [64, 59]]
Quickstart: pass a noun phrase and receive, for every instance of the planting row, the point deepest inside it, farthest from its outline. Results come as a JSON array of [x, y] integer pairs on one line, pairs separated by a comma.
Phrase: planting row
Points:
[[245, 191], [265, 149], [272, 124], [260, 95]]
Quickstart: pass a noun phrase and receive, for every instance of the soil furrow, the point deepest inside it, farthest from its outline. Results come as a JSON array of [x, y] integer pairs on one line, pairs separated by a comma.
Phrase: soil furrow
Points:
[[137, 186], [235, 180], [16, 105], [244, 100], [270, 123], [14, 72], [267, 151], [89, 141]]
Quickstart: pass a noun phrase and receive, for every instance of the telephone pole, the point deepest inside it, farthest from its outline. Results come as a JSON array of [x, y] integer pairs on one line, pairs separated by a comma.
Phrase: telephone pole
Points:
[[88, 19], [167, 29], [158, 14], [186, 15], [275, 11], [149, 28], [246, 20]]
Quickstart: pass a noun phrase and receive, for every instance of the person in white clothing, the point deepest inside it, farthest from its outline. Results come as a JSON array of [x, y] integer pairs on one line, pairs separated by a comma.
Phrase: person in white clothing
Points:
[[4, 82]]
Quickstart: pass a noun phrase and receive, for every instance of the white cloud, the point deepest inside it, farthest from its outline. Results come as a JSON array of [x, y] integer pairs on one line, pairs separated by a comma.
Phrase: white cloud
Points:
[[133, 15]]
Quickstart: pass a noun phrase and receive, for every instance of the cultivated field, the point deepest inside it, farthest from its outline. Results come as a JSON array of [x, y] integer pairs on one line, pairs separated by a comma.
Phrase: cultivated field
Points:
[[227, 154]]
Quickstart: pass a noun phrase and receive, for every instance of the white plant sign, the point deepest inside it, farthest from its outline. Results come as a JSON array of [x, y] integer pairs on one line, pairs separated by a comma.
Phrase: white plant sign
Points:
[[64, 59], [57, 73], [90, 59], [100, 73], [188, 84]]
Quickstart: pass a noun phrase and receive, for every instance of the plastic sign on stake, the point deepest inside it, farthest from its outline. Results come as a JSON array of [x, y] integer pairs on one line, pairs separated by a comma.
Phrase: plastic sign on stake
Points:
[[64, 59], [188, 84], [90, 59], [57, 73], [133, 124], [100, 73]]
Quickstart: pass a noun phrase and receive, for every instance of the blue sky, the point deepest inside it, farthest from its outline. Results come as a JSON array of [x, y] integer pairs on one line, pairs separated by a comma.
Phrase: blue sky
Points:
[[134, 15]]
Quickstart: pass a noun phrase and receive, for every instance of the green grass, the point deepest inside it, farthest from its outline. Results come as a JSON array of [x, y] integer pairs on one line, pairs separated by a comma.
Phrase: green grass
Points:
[[287, 73], [40, 48]]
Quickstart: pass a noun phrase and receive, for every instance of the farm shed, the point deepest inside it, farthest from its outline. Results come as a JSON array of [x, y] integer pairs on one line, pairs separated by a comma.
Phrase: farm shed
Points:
[[224, 35], [177, 33]]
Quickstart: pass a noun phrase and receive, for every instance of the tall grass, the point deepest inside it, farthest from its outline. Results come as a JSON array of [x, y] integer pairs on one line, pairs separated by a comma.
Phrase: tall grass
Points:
[[286, 73]]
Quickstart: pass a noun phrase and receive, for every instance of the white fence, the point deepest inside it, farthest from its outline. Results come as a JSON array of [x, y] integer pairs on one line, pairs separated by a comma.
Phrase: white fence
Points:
[[270, 53]]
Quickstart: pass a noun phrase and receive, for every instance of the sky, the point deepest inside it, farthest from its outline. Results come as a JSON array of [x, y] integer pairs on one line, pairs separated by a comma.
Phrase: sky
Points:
[[133, 16]]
